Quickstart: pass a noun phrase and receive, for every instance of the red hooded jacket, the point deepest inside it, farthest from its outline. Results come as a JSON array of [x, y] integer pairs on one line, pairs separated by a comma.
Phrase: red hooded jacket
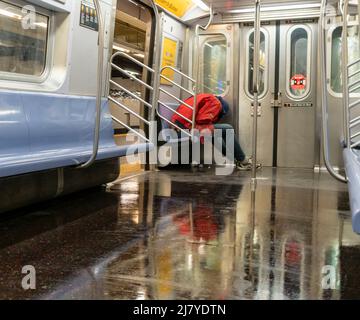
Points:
[[208, 111]]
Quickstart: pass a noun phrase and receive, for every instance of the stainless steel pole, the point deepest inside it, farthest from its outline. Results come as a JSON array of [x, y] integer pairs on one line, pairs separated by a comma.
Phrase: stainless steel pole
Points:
[[100, 69], [345, 74], [256, 86], [324, 102], [196, 64], [157, 60]]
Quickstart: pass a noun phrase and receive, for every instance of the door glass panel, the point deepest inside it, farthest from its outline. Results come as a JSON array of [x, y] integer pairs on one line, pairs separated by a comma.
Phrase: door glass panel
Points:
[[299, 78], [215, 66], [336, 60], [263, 60]]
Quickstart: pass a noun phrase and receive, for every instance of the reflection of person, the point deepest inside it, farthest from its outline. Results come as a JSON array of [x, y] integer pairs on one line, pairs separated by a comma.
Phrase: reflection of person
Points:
[[209, 111], [205, 224]]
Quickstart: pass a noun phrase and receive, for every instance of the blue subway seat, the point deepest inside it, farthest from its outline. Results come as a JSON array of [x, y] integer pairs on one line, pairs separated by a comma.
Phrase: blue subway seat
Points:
[[352, 167], [41, 131]]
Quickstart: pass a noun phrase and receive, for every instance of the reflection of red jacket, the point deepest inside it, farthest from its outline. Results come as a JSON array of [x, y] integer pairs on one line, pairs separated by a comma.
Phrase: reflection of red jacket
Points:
[[208, 112], [205, 226]]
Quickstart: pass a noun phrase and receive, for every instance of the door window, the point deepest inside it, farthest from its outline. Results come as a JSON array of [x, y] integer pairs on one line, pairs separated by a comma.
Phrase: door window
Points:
[[336, 58], [215, 66], [299, 55], [262, 66]]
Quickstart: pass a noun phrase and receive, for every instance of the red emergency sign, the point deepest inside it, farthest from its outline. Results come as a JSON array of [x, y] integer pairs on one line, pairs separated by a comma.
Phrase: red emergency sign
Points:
[[298, 82]]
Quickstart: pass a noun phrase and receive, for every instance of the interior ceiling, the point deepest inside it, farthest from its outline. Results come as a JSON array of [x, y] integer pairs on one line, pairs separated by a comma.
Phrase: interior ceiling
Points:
[[228, 5]]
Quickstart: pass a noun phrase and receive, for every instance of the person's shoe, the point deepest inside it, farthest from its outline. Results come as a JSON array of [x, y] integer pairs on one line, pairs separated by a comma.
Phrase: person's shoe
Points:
[[258, 165], [243, 166], [246, 165]]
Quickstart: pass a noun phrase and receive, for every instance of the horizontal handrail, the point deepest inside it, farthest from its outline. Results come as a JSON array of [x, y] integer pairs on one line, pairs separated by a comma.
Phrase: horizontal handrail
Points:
[[173, 124], [177, 85], [176, 112], [354, 84], [132, 76], [356, 144], [355, 135], [354, 122], [129, 110], [352, 90], [182, 102], [354, 74], [121, 105], [131, 94], [353, 63], [119, 53], [178, 72], [176, 98], [130, 129], [354, 104]]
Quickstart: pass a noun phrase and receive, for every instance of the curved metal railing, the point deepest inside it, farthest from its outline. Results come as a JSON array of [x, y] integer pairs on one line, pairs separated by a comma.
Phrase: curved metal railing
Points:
[[136, 97], [193, 107], [324, 100], [98, 88]]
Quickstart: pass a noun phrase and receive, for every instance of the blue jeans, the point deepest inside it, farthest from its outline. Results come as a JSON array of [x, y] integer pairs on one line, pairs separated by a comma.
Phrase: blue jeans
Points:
[[238, 153]]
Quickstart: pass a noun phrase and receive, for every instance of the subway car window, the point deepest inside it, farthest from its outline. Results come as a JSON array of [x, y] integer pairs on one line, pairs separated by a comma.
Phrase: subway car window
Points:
[[299, 62], [336, 66], [263, 66], [215, 65], [126, 33], [22, 50]]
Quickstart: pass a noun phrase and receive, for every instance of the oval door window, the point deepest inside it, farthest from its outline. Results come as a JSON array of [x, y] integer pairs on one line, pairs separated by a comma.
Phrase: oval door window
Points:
[[262, 66], [299, 62], [215, 66]]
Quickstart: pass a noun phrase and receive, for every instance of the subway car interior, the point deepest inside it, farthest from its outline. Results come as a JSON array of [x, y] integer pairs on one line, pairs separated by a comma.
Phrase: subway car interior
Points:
[[104, 195]]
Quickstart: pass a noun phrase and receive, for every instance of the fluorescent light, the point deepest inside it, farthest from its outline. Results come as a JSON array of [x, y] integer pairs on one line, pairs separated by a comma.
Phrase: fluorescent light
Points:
[[10, 14], [201, 4], [120, 49], [275, 8]]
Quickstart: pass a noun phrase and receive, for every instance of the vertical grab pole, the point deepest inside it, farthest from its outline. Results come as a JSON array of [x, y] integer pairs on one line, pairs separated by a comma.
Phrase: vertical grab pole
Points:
[[345, 74], [256, 87], [196, 64], [324, 102], [196, 76], [99, 87], [159, 20]]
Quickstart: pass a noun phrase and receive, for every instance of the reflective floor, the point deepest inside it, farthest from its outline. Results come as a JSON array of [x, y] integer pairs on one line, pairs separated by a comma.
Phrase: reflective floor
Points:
[[188, 235]]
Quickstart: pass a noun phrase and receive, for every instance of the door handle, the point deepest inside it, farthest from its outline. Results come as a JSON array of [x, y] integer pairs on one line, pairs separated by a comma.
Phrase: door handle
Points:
[[277, 103]]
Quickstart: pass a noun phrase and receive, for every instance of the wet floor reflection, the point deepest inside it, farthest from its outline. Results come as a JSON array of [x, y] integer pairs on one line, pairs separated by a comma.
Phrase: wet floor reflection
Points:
[[185, 235]]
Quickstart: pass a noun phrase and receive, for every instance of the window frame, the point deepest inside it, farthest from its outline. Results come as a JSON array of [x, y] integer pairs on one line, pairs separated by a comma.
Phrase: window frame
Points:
[[308, 57], [19, 77], [247, 62], [217, 37], [329, 49]]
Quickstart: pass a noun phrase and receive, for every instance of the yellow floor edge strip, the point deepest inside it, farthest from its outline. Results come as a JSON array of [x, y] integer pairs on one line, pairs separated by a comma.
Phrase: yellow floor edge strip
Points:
[[127, 168]]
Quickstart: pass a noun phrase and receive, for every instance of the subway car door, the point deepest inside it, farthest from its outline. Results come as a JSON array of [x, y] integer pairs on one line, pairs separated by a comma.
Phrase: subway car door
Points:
[[296, 132], [286, 126], [266, 82]]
